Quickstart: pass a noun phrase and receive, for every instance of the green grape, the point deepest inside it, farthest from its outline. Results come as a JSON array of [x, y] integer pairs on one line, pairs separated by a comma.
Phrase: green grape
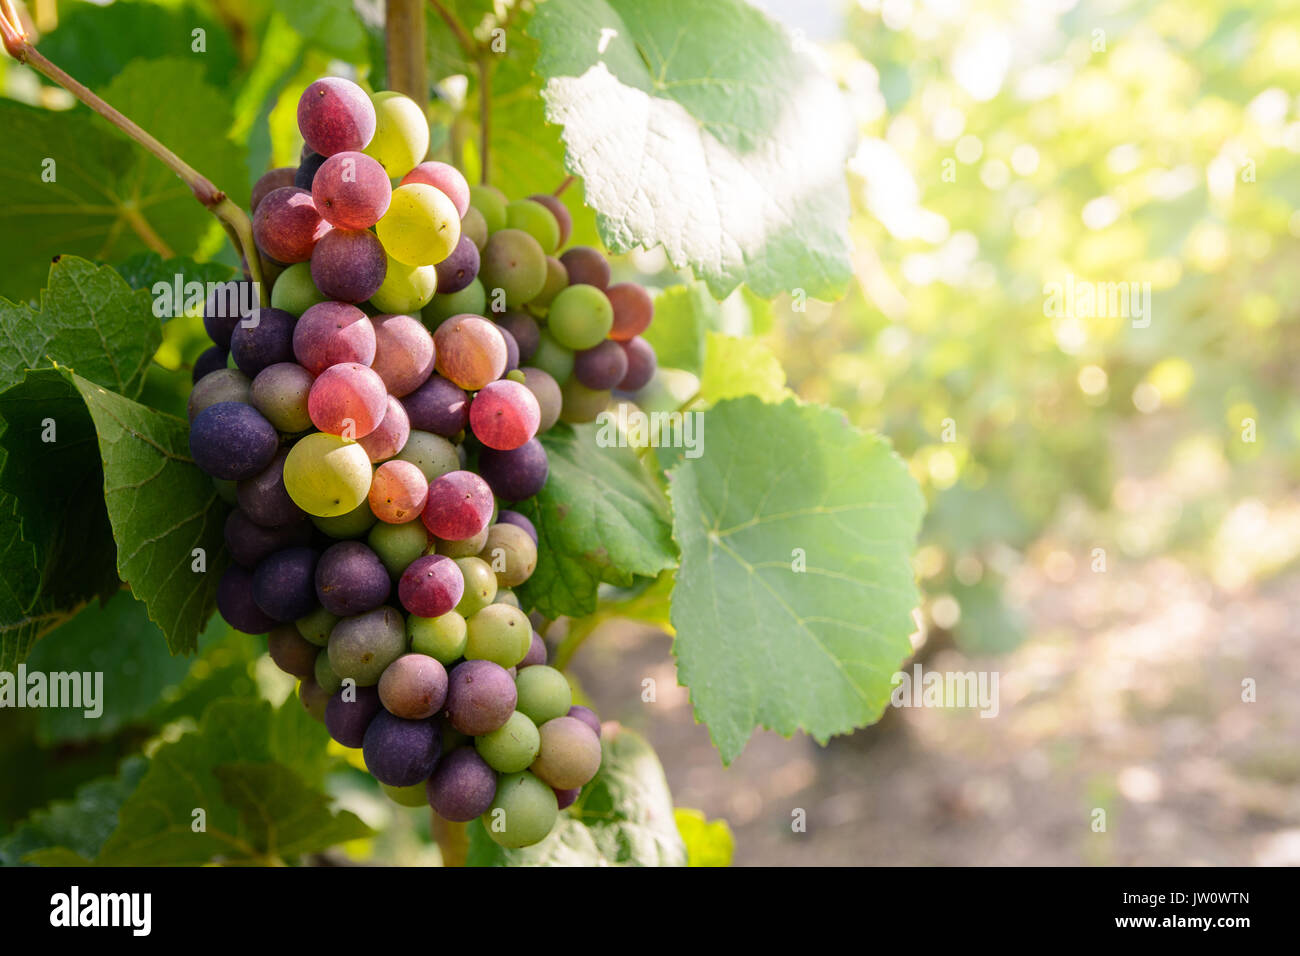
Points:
[[325, 676], [498, 633], [465, 548], [413, 796], [512, 746], [523, 811], [506, 596], [480, 585], [472, 300], [401, 133], [316, 626], [473, 224], [511, 553], [351, 525], [398, 544], [294, 291], [442, 638], [544, 693], [491, 202], [557, 279], [432, 454], [579, 318], [515, 262], [421, 227], [405, 289], [327, 476], [515, 375], [580, 404], [552, 358], [536, 220]]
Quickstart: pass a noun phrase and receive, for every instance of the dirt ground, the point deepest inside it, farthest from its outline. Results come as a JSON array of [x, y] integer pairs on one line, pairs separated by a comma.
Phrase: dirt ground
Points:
[[1128, 700]]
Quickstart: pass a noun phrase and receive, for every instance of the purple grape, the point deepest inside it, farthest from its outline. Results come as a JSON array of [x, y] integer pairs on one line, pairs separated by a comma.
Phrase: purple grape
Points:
[[284, 584], [460, 268], [566, 798], [602, 367], [526, 333], [212, 360], [347, 720], [305, 176], [536, 653], [439, 406], [263, 497], [264, 338], [507, 516], [249, 542], [349, 265], [641, 364], [414, 686], [512, 350], [587, 716], [462, 787], [232, 441], [226, 304], [516, 474], [401, 753], [292, 652], [236, 604], [350, 579], [481, 696], [586, 266]]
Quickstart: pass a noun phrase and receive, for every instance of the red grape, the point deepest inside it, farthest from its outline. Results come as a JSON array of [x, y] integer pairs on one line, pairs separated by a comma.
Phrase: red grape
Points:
[[351, 190], [398, 492], [459, 506], [347, 399], [332, 332], [504, 415]]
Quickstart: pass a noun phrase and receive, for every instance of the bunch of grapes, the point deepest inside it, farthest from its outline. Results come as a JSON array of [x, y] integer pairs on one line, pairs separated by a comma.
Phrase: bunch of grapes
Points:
[[370, 425]]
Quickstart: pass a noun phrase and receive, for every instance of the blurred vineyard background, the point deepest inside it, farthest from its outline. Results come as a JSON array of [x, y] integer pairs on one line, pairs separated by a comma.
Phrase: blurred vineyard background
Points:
[[1114, 516]]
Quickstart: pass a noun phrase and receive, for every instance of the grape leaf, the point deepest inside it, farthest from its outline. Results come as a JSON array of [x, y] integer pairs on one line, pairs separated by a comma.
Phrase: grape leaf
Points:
[[736, 366], [624, 817], [707, 843], [698, 126], [599, 518], [80, 825], [97, 42], [89, 320], [260, 799], [162, 508], [332, 25], [109, 198], [760, 642], [683, 316], [120, 642], [143, 269]]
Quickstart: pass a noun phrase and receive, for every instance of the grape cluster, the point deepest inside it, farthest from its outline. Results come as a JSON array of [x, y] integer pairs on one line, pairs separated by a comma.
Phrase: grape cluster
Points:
[[370, 424]]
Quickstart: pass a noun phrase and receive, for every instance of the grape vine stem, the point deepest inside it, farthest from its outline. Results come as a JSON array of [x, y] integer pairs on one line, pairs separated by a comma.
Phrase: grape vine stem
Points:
[[233, 219]]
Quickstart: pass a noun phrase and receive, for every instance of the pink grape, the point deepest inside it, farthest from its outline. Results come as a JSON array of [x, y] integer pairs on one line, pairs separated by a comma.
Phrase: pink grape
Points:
[[332, 332], [272, 180], [469, 350], [351, 191], [347, 399], [286, 225], [633, 310], [441, 176], [390, 437], [431, 586], [504, 415], [398, 492], [335, 115], [404, 353], [459, 506]]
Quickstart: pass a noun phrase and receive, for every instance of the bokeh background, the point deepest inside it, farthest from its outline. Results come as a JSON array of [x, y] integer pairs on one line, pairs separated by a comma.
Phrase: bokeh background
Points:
[[1114, 515]]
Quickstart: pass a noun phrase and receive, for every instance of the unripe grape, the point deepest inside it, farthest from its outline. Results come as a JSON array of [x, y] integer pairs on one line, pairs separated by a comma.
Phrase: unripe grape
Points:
[[421, 227], [327, 476]]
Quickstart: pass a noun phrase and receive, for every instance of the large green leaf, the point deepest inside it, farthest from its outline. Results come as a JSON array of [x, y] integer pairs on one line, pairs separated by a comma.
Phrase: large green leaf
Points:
[[144, 269], [624, 817], [599, 518], [683, 317], [96, 42], [759, 642], [331, 25], [258, 786], [80, 825], [740, 366], [119, 642], [108, 197], [89, 320], [698, 126]]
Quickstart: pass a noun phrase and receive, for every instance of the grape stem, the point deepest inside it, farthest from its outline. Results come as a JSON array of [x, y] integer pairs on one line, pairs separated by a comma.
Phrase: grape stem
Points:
[[559, 190], [481, 54], [404, 32], [233, 219]]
